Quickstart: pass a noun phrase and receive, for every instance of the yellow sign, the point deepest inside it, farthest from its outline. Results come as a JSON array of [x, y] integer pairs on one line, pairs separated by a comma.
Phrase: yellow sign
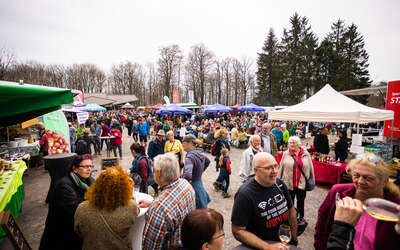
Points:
[[29, 123]]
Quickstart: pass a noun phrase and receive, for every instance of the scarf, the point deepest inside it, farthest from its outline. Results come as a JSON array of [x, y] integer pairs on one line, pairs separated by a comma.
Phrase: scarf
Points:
[[81, 182]]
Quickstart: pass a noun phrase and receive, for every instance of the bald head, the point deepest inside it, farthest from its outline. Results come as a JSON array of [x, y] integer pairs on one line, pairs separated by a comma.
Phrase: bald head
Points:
[[41, 126], [262, 157]]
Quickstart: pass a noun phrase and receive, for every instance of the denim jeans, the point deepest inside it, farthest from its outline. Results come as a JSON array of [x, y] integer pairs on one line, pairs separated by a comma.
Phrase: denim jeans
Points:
[[119, 146], [223, 179]]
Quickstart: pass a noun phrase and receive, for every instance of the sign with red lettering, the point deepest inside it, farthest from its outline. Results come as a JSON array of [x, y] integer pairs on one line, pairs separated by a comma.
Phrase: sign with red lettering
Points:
[[393, 103], [175, 97]]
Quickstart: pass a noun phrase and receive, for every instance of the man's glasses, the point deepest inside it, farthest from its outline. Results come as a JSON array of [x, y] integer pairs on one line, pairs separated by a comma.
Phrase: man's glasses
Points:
[[270, 167], [86, 166], [372, 158]]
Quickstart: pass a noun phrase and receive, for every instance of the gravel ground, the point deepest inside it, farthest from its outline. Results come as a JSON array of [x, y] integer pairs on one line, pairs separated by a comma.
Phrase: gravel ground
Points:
[[36, 181]]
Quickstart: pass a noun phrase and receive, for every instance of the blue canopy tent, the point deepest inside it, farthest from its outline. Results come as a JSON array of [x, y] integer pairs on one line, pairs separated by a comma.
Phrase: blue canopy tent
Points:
[[94, 107], [216, 108], [173, 109], [251, 108]]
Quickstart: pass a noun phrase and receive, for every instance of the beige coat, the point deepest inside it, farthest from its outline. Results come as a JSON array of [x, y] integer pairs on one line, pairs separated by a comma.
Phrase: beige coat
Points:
[[95, 234], [286, 169]]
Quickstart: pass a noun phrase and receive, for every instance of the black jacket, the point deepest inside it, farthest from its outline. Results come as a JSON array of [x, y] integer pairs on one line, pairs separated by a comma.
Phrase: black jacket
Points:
[[341, 149], [321, 144], [341, 236], [59, 228], [220, 143]]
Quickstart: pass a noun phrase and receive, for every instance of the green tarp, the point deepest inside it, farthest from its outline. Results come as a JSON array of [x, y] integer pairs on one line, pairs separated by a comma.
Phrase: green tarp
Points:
[[22, 102]]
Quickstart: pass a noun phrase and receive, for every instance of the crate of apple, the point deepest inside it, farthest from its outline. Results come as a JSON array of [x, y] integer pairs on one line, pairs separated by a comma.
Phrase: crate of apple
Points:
[[57, 144]]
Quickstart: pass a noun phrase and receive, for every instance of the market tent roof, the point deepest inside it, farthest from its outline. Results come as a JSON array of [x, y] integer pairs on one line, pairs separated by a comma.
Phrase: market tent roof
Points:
[[157, 106], [216, 108], [251, 108], [95, 107], [103, 99], [328, 105], [21, 102], [366, 91], [127, 106], [173, 109]]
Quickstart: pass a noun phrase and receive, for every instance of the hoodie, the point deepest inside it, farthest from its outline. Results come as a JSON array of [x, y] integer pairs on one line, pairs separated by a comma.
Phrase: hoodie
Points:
[[195, 164]]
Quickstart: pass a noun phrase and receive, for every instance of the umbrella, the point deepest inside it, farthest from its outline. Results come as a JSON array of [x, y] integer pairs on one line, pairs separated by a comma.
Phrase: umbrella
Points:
[[216, 108], [95, 107], [173, 109], [251, 107], [159, 105], [127, 106]]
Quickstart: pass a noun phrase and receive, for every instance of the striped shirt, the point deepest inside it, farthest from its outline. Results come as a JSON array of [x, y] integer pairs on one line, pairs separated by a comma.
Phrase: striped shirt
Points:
[[165, 215]]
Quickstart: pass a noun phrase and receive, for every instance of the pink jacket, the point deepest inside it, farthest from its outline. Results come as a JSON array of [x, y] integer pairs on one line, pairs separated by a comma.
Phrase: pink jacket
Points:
[[385, 238]]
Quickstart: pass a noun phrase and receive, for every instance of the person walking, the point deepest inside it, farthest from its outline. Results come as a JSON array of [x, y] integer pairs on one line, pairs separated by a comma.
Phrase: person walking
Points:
[[195, 165], [225, 170]]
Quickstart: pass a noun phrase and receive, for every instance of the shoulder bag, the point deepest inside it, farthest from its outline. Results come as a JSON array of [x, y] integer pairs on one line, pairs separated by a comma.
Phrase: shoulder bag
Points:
[[310, 182], [114, 233]]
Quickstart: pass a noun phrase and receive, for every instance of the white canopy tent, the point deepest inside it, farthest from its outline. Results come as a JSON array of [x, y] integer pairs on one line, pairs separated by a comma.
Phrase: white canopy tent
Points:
[[328, 105]]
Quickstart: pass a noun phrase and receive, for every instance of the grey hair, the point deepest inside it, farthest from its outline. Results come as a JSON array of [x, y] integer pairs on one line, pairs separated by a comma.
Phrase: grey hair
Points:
[[168, 165], [252, 137], [295, 139]]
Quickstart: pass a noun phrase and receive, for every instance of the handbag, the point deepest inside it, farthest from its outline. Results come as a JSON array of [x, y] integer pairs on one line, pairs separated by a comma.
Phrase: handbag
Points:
[[310, 182], [114, 233]]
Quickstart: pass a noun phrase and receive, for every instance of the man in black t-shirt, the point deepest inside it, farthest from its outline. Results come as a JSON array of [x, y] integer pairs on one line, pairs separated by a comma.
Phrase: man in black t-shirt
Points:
[[261, 205]]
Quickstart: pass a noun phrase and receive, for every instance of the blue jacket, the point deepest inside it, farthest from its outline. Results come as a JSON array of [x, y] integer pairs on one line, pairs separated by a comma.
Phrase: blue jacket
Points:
[[143, 129], [155, 148], [278, 135]]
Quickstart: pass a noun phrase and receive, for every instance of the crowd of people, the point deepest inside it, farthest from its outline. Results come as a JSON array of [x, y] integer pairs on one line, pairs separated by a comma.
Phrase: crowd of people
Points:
[[97, 214]]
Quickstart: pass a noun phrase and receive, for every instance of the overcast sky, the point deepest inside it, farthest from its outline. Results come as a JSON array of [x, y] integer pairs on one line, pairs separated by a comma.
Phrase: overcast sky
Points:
[[107, 32]]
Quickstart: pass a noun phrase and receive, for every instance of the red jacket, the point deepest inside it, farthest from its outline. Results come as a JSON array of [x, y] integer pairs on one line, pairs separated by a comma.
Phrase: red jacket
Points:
[[118, 137]]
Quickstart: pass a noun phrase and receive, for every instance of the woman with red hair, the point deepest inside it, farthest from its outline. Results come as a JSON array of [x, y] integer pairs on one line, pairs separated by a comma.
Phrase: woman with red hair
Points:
[[104, 220]]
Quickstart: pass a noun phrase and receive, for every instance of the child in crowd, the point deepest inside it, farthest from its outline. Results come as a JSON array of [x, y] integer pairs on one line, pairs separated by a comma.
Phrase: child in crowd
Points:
[[225, 166]]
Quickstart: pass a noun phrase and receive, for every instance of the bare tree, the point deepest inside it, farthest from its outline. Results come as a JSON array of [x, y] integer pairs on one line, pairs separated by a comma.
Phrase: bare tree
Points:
[[246, 77], [85, 77], [168, 66], [7, 60], [226, 69], [200, 60]]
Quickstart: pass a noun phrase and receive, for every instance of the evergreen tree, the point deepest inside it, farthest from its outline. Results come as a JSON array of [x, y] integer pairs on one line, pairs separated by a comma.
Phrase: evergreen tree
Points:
[[298, 54], [342, 60], [268, 77]]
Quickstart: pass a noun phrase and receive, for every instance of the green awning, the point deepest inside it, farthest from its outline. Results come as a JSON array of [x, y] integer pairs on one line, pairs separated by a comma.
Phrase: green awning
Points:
[[22, 102], [189, 105]]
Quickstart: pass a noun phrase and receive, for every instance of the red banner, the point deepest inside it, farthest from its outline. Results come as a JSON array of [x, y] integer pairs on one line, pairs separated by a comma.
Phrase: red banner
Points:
[[175, 97], [393, 103]]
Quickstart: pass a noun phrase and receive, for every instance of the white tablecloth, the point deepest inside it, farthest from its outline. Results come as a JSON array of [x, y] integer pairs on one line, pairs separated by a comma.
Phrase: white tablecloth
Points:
[[136, 230]]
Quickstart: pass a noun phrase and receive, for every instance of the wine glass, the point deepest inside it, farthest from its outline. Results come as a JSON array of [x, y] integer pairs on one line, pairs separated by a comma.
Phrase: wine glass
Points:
[[382, 209], [284, 233]]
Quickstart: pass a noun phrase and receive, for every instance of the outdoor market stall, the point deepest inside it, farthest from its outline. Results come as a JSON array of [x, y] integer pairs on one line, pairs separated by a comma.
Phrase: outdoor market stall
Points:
[[216, 108], [24, 102], [328, 105]]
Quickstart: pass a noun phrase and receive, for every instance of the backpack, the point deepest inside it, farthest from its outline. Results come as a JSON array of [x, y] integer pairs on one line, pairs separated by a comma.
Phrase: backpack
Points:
[[135, 164], [81, 147]]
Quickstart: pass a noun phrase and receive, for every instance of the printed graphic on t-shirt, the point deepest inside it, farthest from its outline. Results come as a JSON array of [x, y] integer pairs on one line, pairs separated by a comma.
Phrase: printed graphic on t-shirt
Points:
[[274, 210]]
